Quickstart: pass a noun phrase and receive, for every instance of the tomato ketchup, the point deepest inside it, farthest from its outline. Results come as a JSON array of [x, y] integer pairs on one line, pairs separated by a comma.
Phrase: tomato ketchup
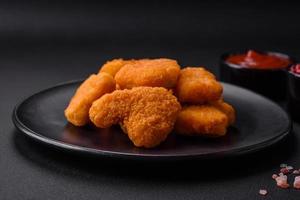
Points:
[[257, 60]]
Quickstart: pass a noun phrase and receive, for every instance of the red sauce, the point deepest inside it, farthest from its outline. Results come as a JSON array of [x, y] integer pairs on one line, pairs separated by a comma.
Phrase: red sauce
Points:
[[295, 69], [256, 60]]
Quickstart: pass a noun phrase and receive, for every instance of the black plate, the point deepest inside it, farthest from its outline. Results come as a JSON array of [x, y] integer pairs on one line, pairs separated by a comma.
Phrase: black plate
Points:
[[260, 123]]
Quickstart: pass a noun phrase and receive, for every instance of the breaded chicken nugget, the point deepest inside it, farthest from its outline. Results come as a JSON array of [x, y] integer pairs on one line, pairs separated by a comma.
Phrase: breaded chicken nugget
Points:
[[197, 85], [225, 108], [147, 114], [204, 120], [91, 89], [113, 66], [148, 72]]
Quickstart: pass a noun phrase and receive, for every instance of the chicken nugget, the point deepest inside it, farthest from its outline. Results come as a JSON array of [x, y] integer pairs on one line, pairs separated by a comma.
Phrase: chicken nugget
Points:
[[148, 72], [91, 89], [147, 114], [113, 66], [203, 120], [197, 86], [225, 108]]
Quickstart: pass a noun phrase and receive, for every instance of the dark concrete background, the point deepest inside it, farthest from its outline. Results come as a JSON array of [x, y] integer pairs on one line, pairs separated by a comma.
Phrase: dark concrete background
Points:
[[44, 43]]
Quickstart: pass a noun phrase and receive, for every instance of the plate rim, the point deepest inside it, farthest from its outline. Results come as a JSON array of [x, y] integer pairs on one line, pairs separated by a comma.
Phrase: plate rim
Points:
[[136, 156]]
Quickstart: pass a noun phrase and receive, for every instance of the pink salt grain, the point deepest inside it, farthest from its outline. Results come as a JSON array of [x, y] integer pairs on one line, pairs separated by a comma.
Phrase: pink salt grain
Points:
[[283, 165], [296, 172], [281, 181], [263, 192], [297, 182], [274, 176], [281, 174], [284, 170]]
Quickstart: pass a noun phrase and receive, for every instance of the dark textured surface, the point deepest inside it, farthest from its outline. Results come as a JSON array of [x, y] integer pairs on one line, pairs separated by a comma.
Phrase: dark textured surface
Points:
[[43, 44]]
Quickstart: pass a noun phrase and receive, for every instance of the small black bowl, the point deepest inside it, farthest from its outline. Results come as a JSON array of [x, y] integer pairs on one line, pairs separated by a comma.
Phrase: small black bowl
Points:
[[294, 95], [268, 82]]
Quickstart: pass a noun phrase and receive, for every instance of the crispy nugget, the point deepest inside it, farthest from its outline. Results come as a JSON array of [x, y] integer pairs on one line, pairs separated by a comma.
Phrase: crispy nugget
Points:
[[147, 114], [91, 89], [148, 72], [197, 86], [113, 66], [204, 120], [225, 108]]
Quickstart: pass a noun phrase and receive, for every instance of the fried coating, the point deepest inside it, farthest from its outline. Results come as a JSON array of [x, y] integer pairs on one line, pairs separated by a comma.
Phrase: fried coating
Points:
[[147, 114], [113, 66], [204, 120], [148, 72], [225, 108], [197, 86], [91, 89]]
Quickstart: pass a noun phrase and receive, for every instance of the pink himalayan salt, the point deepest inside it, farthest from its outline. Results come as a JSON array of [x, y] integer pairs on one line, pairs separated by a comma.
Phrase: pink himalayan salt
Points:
[[296, 172], [284, 170], [283, 165], [281, 181], [274, 176], [297, 182], [263, 192]]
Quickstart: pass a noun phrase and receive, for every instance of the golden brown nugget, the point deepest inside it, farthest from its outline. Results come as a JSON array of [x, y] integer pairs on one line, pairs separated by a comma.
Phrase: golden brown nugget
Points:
[[91, 89], [147, 114], [225, 108], [197, 86], [113, 66], [203, 120], [148, 72]]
